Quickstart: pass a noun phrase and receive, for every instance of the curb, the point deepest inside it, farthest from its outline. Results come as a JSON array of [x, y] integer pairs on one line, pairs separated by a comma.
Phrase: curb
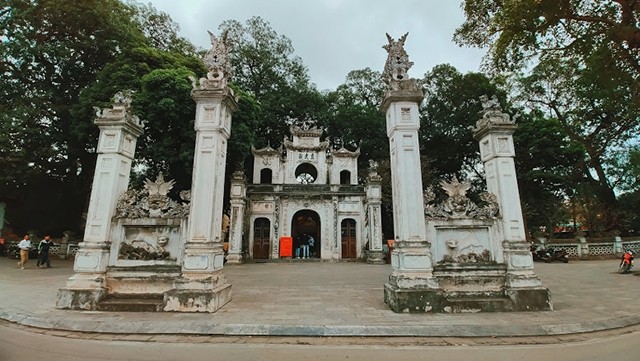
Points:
[[212, 329]]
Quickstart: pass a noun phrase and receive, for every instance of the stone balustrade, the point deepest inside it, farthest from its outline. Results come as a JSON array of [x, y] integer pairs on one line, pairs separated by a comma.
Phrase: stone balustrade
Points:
[[592, 248], [57, 250]]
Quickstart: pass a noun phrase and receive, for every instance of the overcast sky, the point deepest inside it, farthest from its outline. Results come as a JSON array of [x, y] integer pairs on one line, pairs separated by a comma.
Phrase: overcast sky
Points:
[[334, 37]]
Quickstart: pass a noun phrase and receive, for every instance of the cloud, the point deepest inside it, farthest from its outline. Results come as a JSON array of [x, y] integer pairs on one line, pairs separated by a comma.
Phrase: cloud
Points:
[[334, 37]]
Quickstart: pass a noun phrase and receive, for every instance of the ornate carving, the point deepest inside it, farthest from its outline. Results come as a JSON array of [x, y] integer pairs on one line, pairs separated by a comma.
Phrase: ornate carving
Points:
[[457, 205], [217, 58], [492, 114], [141, 250], [306, 129], [120, 108], [373, 175], [397, 64], [123, 97], [471, 252], [373, 166], [276, 224], [471, 257], [152, 201], [218, 63]]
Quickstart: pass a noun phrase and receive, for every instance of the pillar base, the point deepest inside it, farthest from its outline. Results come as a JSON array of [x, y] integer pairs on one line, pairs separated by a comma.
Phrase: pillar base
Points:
[[80, 299], [83, 292], [375, 257], [418, 300], [438, 301], [199, 295], [234, 258]]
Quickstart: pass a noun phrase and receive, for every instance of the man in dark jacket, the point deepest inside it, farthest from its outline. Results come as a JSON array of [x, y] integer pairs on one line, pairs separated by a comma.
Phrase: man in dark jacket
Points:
[[43, 252]]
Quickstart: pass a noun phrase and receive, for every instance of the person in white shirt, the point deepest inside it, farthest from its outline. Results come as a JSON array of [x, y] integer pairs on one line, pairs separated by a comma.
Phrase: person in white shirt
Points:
[[25, 246]]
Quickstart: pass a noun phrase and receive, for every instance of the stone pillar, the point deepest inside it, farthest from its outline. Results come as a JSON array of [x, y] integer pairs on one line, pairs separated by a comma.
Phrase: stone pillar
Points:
[[617, 246], [374, 213], [583, 246], [238, 196], [119, 130], [494, 131], [277, 230], [203, 286], [412, 286]]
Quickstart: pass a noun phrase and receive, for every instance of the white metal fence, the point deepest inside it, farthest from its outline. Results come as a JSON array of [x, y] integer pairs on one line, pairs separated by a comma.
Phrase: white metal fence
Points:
[[582, 247]]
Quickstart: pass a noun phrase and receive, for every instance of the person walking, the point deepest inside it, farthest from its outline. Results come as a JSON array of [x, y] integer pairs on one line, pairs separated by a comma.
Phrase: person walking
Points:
[[25, 246], [43, 252]]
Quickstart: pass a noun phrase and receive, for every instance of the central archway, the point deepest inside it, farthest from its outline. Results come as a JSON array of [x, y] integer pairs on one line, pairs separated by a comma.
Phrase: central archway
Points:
[[305, 224]]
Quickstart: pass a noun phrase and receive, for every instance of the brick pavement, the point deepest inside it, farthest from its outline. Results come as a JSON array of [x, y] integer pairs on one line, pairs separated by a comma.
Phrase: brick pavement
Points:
[[332, 299]]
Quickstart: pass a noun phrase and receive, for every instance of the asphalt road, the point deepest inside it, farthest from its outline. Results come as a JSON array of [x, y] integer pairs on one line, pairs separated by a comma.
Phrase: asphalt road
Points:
[[19, 343]]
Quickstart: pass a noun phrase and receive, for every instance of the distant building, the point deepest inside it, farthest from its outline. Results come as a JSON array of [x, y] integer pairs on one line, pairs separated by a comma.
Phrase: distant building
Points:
[[304, 189]]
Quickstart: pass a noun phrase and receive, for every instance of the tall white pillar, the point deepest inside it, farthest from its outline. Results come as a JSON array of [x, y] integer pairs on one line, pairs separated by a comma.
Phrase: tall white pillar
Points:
[[494, 131], [238, 196], [119, 130], [412, 286], [203, 286]]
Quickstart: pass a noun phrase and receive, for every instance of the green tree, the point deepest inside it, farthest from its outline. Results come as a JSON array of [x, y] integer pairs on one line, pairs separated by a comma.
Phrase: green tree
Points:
[[593, 109], [353, 118], [265, 66], [52, 52], [547, 165], [519, 31], [629, 208], [164, 103], [583, 65], [452, 105]]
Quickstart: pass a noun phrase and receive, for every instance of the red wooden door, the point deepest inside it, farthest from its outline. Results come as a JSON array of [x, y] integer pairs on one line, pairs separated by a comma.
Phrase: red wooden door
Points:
[[348, 234], [261, 238]]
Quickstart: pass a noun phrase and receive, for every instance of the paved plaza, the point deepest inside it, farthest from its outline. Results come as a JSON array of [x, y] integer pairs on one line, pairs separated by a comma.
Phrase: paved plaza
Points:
[[331, 299]]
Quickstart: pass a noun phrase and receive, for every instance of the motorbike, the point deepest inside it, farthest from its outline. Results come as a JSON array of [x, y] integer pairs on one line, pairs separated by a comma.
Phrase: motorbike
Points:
[[537, 254], [549, 254], [627, 262]]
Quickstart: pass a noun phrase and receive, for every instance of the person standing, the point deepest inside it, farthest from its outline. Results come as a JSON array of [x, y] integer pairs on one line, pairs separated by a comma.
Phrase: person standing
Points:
[[25, 246], [311, 242], [43, 252], [297, 245], [305, 246]]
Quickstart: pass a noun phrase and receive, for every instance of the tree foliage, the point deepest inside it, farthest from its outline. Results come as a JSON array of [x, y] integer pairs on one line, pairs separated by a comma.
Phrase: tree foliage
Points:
[[546, 165], [581, 63], [452, 105], [265, 66], [518, 31], [57, 60], [353, 119]]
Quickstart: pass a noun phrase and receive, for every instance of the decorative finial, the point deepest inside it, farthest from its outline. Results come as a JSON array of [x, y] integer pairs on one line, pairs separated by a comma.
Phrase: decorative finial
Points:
[[492, 115], [217, 58], [398, 64], [123, 98]]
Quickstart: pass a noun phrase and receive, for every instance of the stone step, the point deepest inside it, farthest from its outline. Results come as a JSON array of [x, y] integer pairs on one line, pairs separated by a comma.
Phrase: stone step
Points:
[[461, 304], [132, 303]]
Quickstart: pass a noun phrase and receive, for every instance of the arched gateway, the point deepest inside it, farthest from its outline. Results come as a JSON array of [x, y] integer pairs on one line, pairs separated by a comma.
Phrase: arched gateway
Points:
[[312, 191], [305, 226]]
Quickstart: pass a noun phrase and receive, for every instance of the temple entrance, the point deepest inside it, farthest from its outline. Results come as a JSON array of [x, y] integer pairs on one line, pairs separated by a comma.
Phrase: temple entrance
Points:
[[305, 230], [261, 238], [348, 238]]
